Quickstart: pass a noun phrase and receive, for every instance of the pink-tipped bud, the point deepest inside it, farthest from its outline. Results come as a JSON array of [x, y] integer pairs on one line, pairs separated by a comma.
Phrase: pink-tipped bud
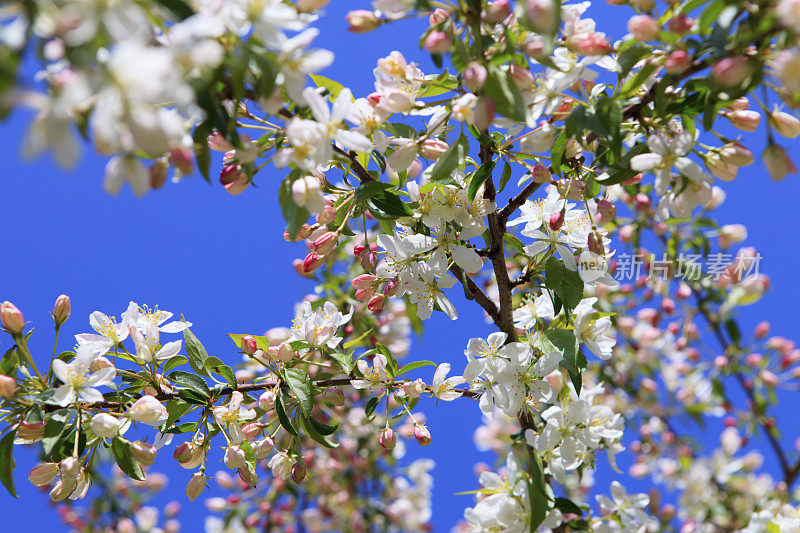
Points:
[[769, 379], [595, 44], [248, 475], [537, 47], [234, 457], [251, 430], [785, 124], [42, 474], [438, 16], [362, 21], [556, 220], [143, 452], [196, 486], [327, 215], [391, 287], [298, 472], [218, 143], [483, 115], [762, 330], [267, 399], [732, 71], [182, 159], [595, 243], [677, 62], [234, 179], [736, 154], [157, 174], [541, 174], [62, 309], [643, 202], [496, 11], [8, 386], [474, 76], [680, 24], [368, 260], [364, 281], [745, 120], [437, 42], [248, 344], [358, 249], [422, 435], [433, 149], [325, 243], [303, 233], [606, 211], [376, 303], [778, 162], [334, 396], [312, 262], [183, 453], [11, 318], [643, 28], [521, 77], [363, 295], [387, 439]]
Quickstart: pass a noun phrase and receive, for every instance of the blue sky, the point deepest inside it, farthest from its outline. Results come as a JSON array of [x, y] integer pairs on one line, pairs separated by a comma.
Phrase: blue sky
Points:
[[221, 260]]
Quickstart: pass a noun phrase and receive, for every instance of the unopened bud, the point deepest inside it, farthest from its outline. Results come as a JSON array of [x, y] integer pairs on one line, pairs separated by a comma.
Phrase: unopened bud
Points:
[[438, 16], [104, 425], [248, 474], [606, 211], [261, 448], [8, 386], [433, 149], [325, 243], [785, 124], [375, 304], [778, 162], [62, 309], [391, 287], [267, 399], [541, 174], [732, 71], [474, 76], [680, 24], [496, 11], [234, 457], [595, 243], [762, 330], [42, 474], [312, 262], [248, 344], [63, 488], [437, 42], [218, 143], [182, 159], [143, 452], [99, 363], [643, 28], [677, 62], [368, 260], [387, 439], [183, 453], [298, 472], [422, 435], [233, 179], [327, 215], [11, 318], [736, 154], [556, 220], [195, 486], [362, 21], [157, 174], [745, 120], [364, 281]]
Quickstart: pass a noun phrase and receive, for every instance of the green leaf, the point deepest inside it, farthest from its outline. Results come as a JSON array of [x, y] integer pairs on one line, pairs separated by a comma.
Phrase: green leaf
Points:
[[504, 177], [631, 55], [191, 381], [178, 8], [573, 360], [53, 429], [322, 429], [514, 243], [537, 492], [557, 151], [442, 171], [507, 99], [283, 418], [7, 462], [194, 398], [370, 406], [312, 432], [567, 284], [391, 204], [174, 362], [345, 361], [303, 389], [565, 505], [413, 366], [294, 215], [125, 461], [334, 87], [175, 410], [195, 351], [479, 177], [221, 369], [355, 342]]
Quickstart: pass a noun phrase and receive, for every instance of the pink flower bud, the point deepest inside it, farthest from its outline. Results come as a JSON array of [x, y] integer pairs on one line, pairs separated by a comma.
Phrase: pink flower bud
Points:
[[312, 262], [541, 16], [437, 42], [195, 486], [362, 21], [732, 71], [363, 295], [307, 6], [483, 115], [262, 447], [298, 472], [497, 11], [233, 179], [762, 330], [745, 120], [422, 435], [8, 386], [376, 303], [785, 124], [438, 16], [778, 162], [643, 27], [677, 62], [62, 309], [719, 168], [325, 244], [387, 439], [234, 457], [248, 475], [183, 453], [218, 143], [143, 452], [368, 260], [42, 474], [556, 220], [248, 344], [157, 174], [643, 202], [267, 399], [541, 174], [521, 77], [769, 379], [303, 233], [11, 318], [595, 243], [433, 149], [740, 104], [606, 211], [182, 159], [364, 281], [595, 44], [327, 215], [680, 24], [391, 287], [736, 154]]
